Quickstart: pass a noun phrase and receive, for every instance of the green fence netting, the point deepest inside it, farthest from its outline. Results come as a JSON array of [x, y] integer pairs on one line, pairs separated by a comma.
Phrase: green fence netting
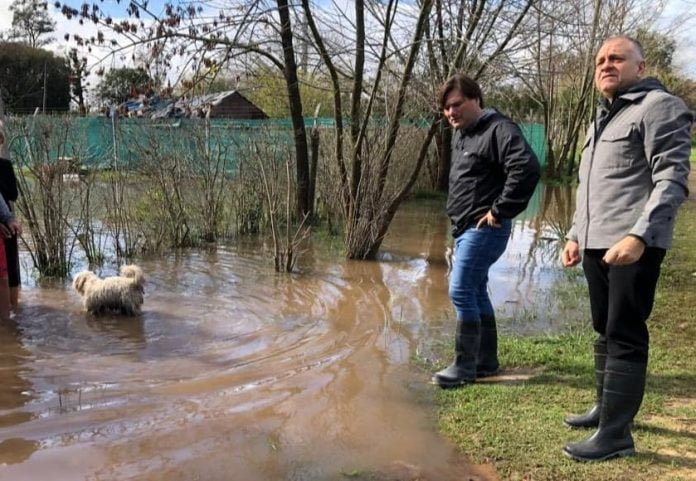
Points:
[[102, 143]]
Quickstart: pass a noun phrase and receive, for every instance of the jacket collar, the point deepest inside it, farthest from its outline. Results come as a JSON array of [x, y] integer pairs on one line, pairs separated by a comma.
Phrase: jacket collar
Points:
[[607, 110], [633, 93], [633, 96], [485, 117]]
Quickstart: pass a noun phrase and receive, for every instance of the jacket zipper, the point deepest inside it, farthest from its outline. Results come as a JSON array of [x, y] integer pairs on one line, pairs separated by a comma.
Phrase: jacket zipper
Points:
[[587, 187]]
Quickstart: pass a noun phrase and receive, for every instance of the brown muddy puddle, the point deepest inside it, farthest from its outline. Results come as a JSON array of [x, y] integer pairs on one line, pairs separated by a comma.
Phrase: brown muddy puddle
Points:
[[234, 372]]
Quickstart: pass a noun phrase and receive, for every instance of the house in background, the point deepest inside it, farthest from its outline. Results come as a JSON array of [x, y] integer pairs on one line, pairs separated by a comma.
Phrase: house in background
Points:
[[221, 105]]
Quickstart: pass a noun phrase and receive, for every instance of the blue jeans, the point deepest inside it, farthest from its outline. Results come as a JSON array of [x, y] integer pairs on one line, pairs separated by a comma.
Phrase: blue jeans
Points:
[[475, 250]]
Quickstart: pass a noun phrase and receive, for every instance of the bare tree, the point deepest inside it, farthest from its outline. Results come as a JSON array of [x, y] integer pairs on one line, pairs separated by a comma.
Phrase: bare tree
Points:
[[209, 34], [31, 21], [364, 163], [286, 247], [379, 57], [558, 71], [46, 202], [472, 36]]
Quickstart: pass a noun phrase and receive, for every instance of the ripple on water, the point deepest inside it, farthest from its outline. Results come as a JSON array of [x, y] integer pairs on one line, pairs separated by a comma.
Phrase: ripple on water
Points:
[[233, 368]]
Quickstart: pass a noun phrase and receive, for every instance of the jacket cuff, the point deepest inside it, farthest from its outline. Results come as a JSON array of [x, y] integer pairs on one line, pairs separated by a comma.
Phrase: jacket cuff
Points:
[[572, 235], [644, 232], [639, 238]]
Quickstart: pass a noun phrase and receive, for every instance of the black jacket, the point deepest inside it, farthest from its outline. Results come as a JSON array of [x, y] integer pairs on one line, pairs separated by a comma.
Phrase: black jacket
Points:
[[493, 168], [8, 181]]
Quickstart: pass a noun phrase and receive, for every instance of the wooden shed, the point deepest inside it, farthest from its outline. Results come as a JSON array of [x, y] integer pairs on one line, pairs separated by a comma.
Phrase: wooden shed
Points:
[[222, 105]]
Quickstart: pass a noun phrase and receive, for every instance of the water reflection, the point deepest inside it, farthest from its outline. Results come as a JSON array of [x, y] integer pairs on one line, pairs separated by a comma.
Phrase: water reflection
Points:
[[16, 392], [233, 368], [532, 292]]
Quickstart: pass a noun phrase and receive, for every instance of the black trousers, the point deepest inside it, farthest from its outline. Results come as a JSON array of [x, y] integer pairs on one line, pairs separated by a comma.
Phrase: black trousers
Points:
[[621, 299]]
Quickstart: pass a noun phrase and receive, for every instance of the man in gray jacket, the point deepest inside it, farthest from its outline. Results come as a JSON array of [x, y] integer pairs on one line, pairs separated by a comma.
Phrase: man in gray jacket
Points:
[[633, 177]]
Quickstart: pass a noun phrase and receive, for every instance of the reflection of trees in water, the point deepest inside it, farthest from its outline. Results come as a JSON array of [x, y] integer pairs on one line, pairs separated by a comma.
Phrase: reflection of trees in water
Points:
[[548, 226], [557, 209], [553, 220], [15, 393], [541, 230], [565, 300], [547, 219]]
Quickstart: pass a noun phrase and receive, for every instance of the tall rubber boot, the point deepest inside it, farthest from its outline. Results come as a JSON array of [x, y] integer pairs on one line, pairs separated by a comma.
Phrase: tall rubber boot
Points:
[[624, 385], [487, 363], [466, 347], [4, 300], [14, 298], [590, 419]]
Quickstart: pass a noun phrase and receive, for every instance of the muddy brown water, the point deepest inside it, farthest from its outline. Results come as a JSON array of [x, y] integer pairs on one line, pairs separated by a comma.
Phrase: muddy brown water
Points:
[[234, 372]]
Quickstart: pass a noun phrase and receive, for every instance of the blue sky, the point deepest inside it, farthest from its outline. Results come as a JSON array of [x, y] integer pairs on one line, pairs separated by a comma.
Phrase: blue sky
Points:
[[679, 16]]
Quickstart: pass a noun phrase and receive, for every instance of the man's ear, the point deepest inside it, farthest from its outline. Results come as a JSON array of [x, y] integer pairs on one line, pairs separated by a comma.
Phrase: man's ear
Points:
[[641, 67]]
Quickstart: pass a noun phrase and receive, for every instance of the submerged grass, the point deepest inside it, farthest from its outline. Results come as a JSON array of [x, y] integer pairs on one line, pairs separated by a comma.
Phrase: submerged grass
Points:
[[517, 426]]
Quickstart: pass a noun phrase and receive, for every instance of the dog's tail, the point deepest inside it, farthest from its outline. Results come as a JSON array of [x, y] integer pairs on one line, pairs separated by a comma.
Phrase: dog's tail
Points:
[[134, 272]]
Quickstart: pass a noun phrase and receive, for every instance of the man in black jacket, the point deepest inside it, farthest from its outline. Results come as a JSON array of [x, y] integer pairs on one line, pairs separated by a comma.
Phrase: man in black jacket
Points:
[[493, 175]]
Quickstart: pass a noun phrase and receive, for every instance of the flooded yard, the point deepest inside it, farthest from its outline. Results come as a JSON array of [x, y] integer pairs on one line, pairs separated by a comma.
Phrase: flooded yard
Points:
[[235, 372]]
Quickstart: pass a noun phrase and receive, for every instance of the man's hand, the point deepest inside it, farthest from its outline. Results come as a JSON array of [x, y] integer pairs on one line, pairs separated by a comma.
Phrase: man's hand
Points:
[[571, 254], [10, 229], [627, 251], [15, 227], [487, 219]]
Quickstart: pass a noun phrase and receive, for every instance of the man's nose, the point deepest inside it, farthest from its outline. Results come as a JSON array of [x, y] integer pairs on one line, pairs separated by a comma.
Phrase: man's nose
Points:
[[607, 65]]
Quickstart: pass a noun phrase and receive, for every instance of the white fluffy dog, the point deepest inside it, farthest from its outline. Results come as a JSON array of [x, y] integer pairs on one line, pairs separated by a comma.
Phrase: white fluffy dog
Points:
[[123, 294]]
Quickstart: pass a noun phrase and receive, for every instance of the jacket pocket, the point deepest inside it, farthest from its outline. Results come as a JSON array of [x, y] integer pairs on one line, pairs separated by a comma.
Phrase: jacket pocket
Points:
[[619, 147]]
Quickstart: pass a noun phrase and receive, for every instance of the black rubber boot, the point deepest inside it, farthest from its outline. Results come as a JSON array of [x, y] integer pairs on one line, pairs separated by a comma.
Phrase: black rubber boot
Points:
[[466, 346], [624, 385], [487, 362], [590, 419]]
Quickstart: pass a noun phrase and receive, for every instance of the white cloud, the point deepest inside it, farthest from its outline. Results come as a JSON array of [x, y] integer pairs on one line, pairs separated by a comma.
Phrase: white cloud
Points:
[[679, 19], [6, 16]]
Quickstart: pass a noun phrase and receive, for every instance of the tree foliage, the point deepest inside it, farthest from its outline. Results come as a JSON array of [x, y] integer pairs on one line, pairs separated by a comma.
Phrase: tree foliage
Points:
[[78, 71], [119, 84], [659, 50], [31, 22], [264, 87], [25, 72]]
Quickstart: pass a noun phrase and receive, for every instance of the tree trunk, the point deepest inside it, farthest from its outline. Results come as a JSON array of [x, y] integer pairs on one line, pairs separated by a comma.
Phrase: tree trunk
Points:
[[304, 202], [314, 144], [444, 139]]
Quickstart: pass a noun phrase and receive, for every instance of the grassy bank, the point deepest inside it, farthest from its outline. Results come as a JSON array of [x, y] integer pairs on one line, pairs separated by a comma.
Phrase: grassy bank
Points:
[[517, 425]]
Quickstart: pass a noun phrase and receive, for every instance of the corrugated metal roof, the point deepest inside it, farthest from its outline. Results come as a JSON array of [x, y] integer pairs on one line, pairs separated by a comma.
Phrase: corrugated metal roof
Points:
[[182, 107]]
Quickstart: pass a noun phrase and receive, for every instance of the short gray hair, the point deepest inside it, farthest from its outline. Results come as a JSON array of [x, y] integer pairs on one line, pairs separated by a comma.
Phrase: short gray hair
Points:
[[638, 46]]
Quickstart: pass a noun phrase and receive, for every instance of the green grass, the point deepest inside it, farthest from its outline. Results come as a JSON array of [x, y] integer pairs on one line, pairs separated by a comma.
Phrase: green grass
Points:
[[518, 426], [693, 155]]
